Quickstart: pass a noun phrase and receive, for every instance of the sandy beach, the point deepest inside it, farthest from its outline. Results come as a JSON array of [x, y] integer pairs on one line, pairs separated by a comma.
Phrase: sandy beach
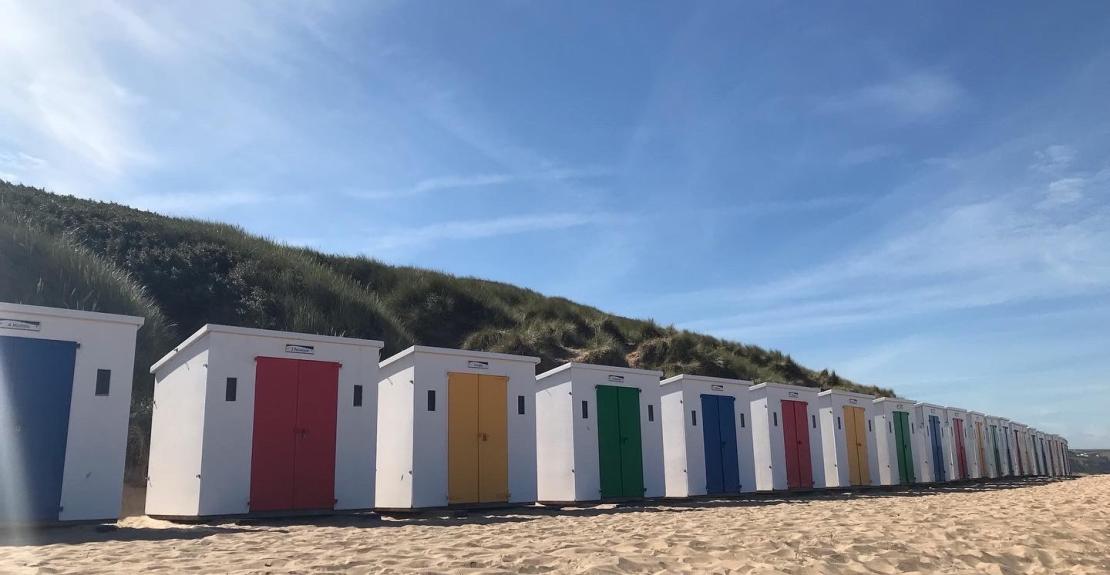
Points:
[[1033, 526]]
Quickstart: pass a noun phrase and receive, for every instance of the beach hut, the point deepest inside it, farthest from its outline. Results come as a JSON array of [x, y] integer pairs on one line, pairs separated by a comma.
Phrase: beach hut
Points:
[[1006, 442], [977, 452], [929, 433], [1021, 442], [65, 395], [707, 438], [259, 421], [959, 441], [600, 433], [995, 456], [1042, 458], [786, 440], [848, 446], [455, 428], [896, 441], [1066, 456]]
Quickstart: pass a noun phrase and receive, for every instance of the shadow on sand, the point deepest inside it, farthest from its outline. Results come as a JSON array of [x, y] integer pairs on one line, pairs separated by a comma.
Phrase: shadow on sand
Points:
[[76, 534]]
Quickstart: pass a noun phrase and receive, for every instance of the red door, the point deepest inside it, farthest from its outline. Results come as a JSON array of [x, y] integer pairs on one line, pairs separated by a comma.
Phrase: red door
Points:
[[961, 454], [293, 448], [275, 434], [314, 469], [799, 467]]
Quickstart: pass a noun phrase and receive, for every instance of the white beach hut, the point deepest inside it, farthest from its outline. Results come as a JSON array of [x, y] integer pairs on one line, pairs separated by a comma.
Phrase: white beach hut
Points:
[[960, 442], [1042, 456], [848, 446], [1021, 448], [456, 428], [977, 450], [1008, 446], [896, 441], [65, 395], [786, 440], [996, 458], [933, 460], [707, 438], [600, 433], [258, 421]]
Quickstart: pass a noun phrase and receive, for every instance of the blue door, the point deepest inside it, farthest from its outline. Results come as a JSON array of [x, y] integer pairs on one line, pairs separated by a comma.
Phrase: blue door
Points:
[[36, 384], [938, 449], [722, 462], [1009, 460]]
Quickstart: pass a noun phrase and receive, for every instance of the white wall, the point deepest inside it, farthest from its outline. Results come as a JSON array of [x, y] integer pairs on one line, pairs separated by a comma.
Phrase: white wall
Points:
[[555, 414], [177, 436], [676, 445], [96, 443], [430, 428], [396, 402]]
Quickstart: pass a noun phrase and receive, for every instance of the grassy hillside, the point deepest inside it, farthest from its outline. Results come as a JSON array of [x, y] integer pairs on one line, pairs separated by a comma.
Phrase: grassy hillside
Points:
[[181, 273]]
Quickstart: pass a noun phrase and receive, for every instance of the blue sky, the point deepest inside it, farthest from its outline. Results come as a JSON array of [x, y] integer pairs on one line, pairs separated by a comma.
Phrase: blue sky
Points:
[[915, 196]]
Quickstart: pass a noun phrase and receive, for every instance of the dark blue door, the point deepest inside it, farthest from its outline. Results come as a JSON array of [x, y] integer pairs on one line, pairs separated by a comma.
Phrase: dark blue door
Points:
[[938, 449], [36, 384], [722, 462], [711, 439]]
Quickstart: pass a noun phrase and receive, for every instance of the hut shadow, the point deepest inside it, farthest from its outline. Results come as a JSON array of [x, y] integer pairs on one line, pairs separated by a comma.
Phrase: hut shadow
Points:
[[77, 534]]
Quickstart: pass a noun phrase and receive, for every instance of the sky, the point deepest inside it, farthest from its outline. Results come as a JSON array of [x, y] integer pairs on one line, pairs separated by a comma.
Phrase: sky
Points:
[[917, 196]]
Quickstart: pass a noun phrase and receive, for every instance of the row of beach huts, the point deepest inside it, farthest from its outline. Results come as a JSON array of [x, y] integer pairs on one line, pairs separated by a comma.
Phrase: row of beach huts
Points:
[[249, 421]]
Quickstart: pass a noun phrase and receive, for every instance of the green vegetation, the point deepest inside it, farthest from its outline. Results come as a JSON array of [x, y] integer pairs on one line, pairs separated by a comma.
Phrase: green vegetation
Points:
[[1089, 461], [181, 274]]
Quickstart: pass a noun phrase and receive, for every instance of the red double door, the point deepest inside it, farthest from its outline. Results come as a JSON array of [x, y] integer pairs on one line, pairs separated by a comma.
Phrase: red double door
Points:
[[795, 434], [961, 451], [293, 455]]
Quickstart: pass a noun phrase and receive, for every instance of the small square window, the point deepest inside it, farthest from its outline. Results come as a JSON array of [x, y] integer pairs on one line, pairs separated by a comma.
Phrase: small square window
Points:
[[694, 417], [103, 381], [431, 400], [585, 409], [358, 396], [231, 388], [651, 412], [741, 420], [520, 404]]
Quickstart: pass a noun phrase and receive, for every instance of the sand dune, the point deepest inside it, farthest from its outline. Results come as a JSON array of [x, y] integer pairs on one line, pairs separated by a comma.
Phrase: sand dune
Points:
[[1021, 527]]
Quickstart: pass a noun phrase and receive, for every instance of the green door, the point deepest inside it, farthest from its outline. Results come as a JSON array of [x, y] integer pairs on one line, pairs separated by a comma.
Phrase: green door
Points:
[[620, 451], [902, 445]]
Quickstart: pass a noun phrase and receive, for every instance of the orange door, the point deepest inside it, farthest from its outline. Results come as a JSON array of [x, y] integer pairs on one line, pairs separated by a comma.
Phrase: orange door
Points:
[[850, 444], [477, 438], [855, 438], [861, 447], [493, 447], [462, 438]]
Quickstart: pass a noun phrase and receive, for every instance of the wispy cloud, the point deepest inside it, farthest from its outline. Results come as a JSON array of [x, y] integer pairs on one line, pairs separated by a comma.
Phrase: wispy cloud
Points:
[[469, 181], [205, 203], [1054, 159], [918, 96], [424, 236], [867, 155]]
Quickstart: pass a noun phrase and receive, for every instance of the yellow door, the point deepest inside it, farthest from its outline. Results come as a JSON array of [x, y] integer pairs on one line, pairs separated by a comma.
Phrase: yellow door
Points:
[[982, 454], [493, 444], [462, 438], [850, 443], [864, 465]]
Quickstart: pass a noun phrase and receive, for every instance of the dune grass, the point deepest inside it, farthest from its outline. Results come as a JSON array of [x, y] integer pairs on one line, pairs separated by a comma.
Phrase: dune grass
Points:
[[183, 273]]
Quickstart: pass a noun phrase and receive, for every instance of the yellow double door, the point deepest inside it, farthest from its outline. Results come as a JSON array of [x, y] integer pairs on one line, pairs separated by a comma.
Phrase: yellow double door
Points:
[[855, 438], [477, 438]]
